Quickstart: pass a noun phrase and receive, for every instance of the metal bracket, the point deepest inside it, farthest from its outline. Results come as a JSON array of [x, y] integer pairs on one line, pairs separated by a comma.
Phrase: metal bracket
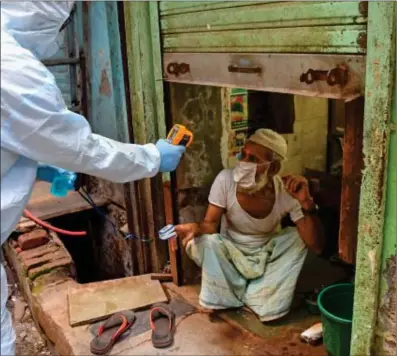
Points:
[[338, 75], [178, 68], [61, 61]]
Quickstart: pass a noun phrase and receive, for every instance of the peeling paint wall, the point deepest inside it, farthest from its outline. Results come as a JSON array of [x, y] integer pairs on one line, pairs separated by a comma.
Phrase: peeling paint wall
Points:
[[307, 146], [386, 328], [107, 114], [385, 334], [377, 217], [199, 108]]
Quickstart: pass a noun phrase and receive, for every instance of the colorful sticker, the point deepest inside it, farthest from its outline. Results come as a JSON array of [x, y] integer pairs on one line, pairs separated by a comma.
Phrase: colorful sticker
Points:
[[239, 109]]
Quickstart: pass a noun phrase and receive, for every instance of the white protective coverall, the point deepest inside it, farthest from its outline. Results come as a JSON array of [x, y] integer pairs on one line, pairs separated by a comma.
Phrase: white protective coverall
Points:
[[37, 126]]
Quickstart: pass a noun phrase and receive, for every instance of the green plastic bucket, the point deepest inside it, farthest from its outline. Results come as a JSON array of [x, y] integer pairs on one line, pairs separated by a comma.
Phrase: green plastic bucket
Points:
[[336, 306]]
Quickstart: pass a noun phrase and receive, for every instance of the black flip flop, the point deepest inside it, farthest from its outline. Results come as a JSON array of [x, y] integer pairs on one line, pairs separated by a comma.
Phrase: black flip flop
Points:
[[162, 322], [110, 331]]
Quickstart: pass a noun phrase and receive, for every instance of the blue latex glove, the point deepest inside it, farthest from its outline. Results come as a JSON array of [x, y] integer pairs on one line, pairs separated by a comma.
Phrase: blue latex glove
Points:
[[46, 173], [170, 155], [61, 179]]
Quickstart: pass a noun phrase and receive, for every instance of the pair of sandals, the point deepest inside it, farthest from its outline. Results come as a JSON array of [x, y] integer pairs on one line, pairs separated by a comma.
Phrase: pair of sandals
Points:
[[162, 323]]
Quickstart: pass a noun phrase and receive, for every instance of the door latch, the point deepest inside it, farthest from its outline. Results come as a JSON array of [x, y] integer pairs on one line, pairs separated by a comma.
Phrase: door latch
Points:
[[237, 69], [338, 75]]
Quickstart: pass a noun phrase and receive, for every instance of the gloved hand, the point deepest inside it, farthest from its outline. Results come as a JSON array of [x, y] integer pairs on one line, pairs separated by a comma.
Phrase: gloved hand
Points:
[[46, 173], [61, 179], [170, 155], [49, 173]]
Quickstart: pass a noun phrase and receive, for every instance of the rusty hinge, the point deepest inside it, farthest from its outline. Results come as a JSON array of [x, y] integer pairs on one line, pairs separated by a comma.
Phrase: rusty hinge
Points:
[[178, 68], [338, 75]]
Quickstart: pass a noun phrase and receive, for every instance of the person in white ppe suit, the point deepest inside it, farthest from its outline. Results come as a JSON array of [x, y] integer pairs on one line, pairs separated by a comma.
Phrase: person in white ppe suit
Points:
[[37, 127]]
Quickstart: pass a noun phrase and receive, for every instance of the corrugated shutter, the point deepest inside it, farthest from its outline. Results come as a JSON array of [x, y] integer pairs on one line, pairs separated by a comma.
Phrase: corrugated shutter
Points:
[[297, 47], [271, 26]]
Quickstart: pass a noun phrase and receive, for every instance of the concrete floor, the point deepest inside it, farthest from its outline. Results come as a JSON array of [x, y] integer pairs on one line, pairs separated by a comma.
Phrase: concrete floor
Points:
[[233, 332], [236, 332], [197, 333]]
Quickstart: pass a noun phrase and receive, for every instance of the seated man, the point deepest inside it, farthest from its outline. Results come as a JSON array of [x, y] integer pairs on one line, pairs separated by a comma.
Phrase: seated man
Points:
[[252, 261]]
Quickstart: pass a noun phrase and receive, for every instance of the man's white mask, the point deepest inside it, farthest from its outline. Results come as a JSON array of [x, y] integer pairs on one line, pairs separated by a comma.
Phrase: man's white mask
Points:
[[244, 174]]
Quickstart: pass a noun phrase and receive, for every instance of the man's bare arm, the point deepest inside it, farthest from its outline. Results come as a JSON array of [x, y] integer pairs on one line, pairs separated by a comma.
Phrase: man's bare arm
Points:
[[212, 220], [309, 227], [209, 225], [311, 231]]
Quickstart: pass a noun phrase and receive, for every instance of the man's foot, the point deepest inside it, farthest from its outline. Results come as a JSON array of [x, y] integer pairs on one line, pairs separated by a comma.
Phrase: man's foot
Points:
[[212, 313], [245, 308], [274, 318], [204, 310]]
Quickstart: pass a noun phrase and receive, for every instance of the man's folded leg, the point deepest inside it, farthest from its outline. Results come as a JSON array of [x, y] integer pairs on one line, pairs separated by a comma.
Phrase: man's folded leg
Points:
[[222, 286], [270, 296]]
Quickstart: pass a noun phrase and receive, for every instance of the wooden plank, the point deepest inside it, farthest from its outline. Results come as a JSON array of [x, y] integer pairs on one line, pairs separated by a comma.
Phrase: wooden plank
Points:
[[146, 97], [173, 244], [164, 277], [216, 17], [45, 206], [317, 39], [279, 72], [95, 301], [353, 163]]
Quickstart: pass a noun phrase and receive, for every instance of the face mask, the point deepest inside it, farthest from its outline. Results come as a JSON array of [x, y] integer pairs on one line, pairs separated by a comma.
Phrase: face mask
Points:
[[244, 174]]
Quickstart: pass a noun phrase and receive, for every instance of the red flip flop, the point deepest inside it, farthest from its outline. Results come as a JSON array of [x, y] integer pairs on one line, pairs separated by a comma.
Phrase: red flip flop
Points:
[[162, 322], [110, 331]]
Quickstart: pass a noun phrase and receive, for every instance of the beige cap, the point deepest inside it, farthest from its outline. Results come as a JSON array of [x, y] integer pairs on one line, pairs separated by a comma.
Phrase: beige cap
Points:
[[271, 140]]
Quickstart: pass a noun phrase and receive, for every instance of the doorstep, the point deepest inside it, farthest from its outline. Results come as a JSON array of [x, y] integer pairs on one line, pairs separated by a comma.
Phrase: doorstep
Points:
[[197, 333]]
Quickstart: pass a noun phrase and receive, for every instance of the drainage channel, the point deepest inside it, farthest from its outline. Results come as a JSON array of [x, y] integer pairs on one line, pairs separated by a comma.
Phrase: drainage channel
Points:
[[103, 253], [85, 250]]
